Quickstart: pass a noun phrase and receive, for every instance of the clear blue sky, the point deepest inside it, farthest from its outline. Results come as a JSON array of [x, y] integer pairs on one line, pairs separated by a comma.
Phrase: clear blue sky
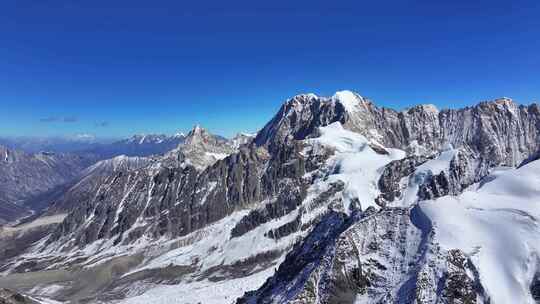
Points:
[[114, 68]]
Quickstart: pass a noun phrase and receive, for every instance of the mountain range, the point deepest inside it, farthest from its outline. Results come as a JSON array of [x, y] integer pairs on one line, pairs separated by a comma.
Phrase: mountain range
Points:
[[84, 144], [334, 200]]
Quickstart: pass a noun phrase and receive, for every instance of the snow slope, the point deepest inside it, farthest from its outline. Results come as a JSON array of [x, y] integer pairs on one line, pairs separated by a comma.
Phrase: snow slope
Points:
[[355, 163], [497, 226]]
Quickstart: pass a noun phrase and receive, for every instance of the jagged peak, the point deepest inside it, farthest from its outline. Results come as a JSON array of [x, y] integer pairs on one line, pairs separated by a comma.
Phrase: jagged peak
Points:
[[197, 135], [298, 102], [197, 130], [428, 108], [501, 101], [504, 101], [348, 99], [303, 96]]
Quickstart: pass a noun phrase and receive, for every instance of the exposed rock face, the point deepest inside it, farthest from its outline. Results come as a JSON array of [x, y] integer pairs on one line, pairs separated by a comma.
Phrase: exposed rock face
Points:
[[459, 286], [89, 181], [242, 139], [535, 287], [10, 297], [175, 200], [389, 183], [499, 131], [464, 170], [200, 149], [301, 263], [344, 265], [387, 257]]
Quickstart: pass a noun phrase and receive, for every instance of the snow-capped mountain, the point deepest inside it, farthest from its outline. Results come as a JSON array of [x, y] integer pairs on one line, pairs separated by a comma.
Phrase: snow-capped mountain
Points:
[[87, 144], [138, 145], [67, 144], [335, 200]]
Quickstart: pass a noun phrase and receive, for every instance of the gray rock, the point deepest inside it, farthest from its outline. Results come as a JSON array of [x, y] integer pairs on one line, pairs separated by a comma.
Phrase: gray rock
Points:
[[24, 176]]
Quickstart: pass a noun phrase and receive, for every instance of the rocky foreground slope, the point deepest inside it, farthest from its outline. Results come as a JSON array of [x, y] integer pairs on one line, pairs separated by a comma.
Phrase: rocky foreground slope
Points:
[[334, 201]]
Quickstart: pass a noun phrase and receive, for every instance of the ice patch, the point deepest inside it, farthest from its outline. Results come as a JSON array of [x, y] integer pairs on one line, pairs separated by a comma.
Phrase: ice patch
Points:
[[355, 164], [217, 156]]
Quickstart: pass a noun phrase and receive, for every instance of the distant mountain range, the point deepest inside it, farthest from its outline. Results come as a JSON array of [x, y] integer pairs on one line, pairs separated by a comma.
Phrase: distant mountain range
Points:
[[137, 145], [24, 176]]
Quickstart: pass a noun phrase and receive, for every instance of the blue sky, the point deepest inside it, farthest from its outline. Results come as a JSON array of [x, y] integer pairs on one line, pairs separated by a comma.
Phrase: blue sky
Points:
[[114, 68]]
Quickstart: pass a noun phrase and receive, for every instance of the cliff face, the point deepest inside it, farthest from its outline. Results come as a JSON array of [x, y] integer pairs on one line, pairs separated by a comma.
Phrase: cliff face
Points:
[[197, 184], [501, 130]]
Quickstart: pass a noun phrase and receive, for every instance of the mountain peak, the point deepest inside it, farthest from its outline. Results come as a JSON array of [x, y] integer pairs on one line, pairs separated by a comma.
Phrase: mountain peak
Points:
[[501, 101], [349, 100], [197, 135], [197, 130], [504, 101], [427, 108]]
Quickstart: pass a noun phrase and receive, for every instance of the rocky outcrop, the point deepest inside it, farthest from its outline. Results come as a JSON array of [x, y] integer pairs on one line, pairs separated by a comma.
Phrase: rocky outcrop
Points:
[[387, 257], [460, 283], [305, 259], [340, 264], [10, 297], [200, 149], [389, 182], [464, 170]]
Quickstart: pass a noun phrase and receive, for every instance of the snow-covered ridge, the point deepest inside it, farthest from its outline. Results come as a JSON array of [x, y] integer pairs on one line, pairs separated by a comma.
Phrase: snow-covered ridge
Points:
[[149, 139], [121, 162], [496, 225]]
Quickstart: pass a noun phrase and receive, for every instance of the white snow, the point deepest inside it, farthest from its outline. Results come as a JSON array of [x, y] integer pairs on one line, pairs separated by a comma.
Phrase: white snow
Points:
[[497, 225], [430, 108], [224, 292], [416, 148], [348, 99], [210, 247], [439, 164], [354, 163], [217, 156]]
